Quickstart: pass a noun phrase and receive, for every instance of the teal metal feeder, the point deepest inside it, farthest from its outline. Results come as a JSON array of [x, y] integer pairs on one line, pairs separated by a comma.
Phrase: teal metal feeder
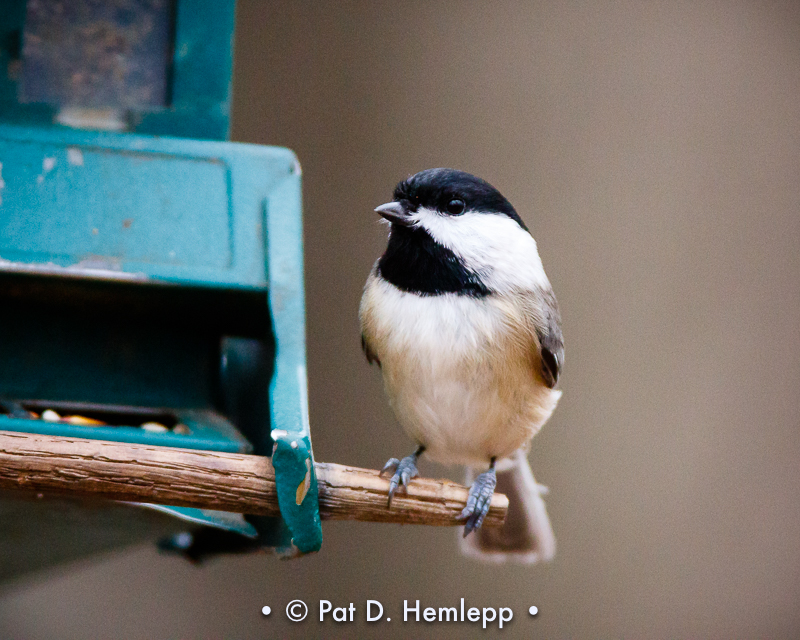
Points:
[[145, 279]]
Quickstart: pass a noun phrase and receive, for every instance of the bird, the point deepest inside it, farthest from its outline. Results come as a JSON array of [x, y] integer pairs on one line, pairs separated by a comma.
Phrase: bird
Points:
[[461, 318]]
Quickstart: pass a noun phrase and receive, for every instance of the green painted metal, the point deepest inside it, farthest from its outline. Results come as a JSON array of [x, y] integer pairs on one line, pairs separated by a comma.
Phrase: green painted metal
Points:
[[133, 268], [200, 74], [12, 22], [292, 457], [158, 272], [232, 522], [137, 208]]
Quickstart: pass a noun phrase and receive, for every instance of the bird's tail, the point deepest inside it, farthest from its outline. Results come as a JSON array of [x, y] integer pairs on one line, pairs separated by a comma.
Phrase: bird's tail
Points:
[[526, 536]]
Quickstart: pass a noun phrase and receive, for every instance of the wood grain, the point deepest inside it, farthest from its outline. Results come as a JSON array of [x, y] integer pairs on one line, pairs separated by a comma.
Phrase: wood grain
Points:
[[212, 480]]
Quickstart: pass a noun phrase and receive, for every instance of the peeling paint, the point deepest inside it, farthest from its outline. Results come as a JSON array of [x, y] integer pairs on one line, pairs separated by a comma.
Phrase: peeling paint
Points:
[[48, 164], [97, 268], [305, 485], [88, 118], [75, 157], [302, 385]]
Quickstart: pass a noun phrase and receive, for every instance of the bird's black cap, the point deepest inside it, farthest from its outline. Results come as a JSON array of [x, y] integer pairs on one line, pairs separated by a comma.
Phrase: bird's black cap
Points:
[[436, 188]]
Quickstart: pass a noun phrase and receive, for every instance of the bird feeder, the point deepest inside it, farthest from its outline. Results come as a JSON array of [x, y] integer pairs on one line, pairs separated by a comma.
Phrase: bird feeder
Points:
[[148, 280]]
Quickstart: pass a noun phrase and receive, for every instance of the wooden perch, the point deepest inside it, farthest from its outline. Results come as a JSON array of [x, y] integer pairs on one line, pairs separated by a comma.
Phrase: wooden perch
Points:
[[212, 480]]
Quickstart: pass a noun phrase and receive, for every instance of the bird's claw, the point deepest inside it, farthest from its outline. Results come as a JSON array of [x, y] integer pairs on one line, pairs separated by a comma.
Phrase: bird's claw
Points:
[[478, 501], [403, 472], [390, 466]]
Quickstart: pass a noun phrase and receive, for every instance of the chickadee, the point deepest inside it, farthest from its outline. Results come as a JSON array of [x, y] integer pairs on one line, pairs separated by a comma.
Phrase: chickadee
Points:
[[462, 320]]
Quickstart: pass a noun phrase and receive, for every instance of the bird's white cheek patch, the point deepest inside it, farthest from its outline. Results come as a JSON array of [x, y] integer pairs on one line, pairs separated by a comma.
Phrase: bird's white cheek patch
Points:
[[494, 246]]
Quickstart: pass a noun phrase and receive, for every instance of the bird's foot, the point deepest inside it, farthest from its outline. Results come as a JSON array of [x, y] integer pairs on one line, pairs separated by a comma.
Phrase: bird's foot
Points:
[[403, 471], [479, 500]]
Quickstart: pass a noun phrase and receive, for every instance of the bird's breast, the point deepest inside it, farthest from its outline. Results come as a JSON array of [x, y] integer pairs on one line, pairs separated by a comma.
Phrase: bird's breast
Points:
[[457, 370]]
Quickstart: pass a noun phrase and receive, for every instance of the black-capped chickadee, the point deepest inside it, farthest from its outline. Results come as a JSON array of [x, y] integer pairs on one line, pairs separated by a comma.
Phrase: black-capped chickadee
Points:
[[462, 320]]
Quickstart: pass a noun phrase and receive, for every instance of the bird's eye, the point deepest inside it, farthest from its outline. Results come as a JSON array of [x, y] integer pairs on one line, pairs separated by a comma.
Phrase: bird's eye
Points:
[[455, 207]]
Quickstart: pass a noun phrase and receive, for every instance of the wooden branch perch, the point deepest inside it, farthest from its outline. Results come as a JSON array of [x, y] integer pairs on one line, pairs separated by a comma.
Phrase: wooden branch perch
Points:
[[212, 480]]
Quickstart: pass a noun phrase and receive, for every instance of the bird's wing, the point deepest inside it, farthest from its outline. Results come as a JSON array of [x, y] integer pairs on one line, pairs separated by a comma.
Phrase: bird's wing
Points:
[[371, 355], [546, 322]]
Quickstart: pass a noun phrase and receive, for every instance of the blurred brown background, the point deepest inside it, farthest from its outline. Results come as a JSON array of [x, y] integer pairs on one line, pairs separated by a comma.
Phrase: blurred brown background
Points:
[[654, 150]]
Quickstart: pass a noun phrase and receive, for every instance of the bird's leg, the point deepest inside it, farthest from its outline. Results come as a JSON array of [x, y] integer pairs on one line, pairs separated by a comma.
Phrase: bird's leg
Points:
[[479, 499], [404, 470]]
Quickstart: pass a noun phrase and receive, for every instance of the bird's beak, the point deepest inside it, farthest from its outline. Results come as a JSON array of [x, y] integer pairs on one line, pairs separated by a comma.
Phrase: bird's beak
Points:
[[395, 213]]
